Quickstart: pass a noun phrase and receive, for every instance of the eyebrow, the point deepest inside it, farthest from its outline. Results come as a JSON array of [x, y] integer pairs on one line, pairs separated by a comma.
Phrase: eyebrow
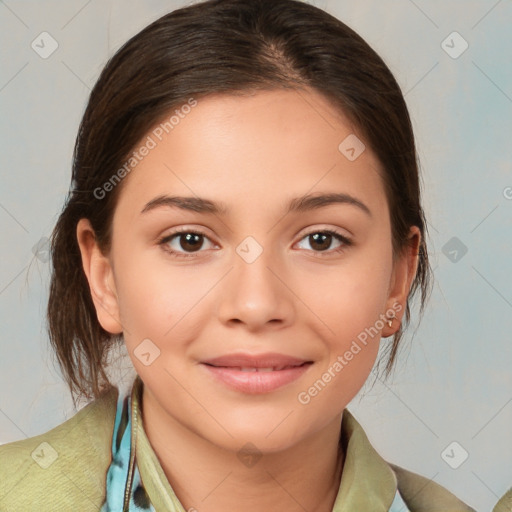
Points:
[[298, 204]]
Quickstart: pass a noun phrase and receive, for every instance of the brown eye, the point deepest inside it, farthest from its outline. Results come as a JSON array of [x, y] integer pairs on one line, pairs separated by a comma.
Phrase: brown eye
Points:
[[190, 241], [321, 241], [184, 243]]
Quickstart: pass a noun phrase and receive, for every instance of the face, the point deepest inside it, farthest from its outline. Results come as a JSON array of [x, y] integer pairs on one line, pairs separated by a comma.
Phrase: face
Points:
[[261, 318]]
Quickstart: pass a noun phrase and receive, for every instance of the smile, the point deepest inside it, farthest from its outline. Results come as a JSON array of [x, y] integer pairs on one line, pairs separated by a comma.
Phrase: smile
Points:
[[256, 374], [253, 369]]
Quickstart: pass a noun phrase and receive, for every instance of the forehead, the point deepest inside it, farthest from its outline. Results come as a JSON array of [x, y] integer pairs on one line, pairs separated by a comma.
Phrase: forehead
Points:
[[252, 148]]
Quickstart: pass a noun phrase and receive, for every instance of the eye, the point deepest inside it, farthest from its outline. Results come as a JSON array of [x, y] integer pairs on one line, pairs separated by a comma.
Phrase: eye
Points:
[[321, 240], [187, 240]]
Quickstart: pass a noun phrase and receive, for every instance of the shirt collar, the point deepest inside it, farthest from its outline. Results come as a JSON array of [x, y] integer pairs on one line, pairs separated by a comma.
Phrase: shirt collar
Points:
[[367, 481]]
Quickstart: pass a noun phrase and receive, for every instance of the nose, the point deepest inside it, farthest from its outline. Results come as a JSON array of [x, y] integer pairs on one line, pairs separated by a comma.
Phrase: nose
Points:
[[256, 294]]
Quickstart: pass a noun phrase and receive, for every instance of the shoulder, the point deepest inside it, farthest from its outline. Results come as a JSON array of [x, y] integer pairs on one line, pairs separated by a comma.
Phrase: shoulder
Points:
[[422, 494], [63, 467], [505, 503], [412, 491]]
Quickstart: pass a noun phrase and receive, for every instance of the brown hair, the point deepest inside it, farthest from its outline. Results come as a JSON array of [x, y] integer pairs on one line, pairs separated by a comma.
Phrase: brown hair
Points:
[[219, 46]]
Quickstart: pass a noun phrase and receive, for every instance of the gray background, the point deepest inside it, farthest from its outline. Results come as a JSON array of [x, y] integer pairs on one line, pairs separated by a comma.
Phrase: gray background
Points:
[[453, 379]]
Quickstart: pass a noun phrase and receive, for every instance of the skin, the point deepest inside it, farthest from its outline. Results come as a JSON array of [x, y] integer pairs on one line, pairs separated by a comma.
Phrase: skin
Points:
[[254, 154]]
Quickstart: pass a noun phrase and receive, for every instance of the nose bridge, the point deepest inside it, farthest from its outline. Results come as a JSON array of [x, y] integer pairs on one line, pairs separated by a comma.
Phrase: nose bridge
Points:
[[253, 294], [253, 280]]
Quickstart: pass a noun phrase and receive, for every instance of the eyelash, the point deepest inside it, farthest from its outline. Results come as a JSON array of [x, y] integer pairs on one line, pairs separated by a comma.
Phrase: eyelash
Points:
[[166, 239]]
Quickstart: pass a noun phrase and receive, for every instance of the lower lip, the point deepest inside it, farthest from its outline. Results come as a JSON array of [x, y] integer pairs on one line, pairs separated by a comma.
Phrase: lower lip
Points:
[[256, 382]]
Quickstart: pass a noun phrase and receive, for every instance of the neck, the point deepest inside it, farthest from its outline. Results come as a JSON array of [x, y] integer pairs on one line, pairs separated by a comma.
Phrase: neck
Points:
[[209, 478]]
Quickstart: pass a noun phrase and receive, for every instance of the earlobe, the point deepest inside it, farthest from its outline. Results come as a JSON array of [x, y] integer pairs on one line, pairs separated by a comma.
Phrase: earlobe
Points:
[[99, 273], [403, 275]]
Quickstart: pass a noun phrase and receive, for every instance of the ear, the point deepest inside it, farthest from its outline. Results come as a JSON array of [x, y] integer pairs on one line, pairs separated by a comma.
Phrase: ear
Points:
[[404, 271], [100, 275]]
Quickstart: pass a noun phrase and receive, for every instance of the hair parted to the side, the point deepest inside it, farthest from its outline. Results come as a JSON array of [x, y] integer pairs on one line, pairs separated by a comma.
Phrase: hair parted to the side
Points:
[[232, 47]]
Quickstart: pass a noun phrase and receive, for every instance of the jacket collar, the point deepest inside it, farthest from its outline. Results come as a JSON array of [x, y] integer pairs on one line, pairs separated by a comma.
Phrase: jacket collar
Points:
[[367, 481]]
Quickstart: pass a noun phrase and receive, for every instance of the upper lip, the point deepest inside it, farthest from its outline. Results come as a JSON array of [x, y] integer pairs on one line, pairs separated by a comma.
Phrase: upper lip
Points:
[[267, 360]]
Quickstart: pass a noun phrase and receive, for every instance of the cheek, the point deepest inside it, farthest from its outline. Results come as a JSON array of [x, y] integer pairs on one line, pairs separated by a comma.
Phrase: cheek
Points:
[[145, 297], [351, 296], [159, 301], [351, 308], [349, 300]]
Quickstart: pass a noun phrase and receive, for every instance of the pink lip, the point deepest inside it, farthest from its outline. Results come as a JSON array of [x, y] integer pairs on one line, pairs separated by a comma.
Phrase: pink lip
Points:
[[228, 370], [266, 360]]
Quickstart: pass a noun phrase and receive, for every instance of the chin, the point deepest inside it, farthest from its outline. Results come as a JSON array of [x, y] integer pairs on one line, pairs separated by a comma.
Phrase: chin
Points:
[[266, 436]]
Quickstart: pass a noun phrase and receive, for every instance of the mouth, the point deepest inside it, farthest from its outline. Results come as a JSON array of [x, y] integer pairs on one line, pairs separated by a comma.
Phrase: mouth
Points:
[[257, 369], [256, 374]]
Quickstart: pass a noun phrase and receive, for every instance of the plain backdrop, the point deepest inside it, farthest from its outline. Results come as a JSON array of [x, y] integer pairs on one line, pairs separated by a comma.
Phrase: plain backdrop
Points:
[[453, 378]]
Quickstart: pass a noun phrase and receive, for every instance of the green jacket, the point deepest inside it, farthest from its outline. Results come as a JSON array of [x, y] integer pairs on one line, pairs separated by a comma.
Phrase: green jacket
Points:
[[65, 468]]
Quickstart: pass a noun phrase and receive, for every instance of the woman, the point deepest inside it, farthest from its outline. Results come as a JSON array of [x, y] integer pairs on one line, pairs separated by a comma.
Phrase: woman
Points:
[[245, 215]]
